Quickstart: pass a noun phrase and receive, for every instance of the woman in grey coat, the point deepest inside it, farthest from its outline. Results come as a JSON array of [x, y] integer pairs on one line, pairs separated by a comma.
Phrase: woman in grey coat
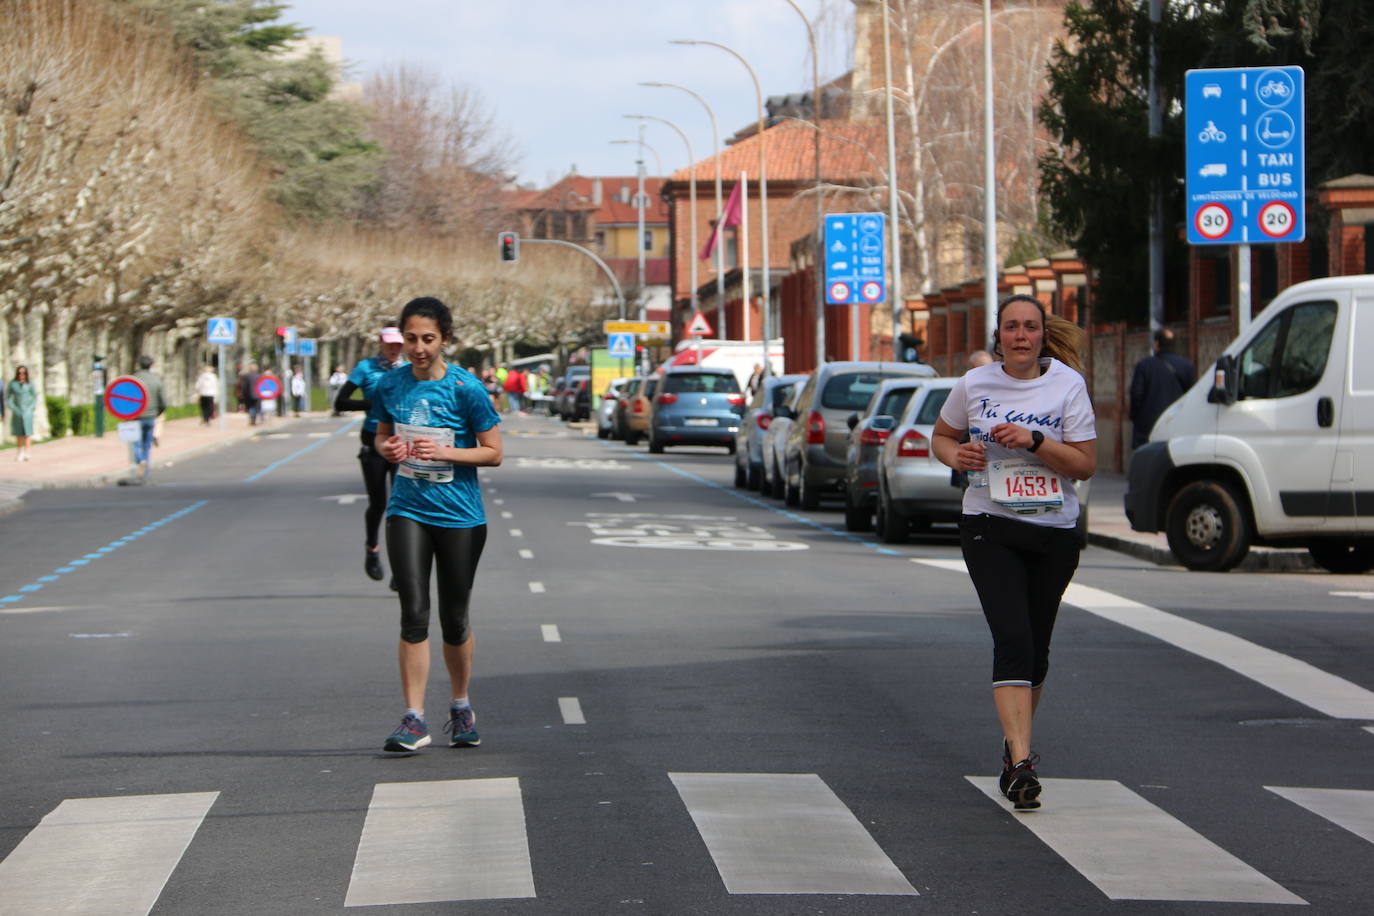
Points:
[[21, 398]]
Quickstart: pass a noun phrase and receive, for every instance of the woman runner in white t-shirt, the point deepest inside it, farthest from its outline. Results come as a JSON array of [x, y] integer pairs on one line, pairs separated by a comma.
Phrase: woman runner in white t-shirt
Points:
[[1031, 433]]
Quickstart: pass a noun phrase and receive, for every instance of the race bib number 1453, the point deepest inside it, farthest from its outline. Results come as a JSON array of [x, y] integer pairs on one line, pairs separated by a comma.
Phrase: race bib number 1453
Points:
[[1025, 487]]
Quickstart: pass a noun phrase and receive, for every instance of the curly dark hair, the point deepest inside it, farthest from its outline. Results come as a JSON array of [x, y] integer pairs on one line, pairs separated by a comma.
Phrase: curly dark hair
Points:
[[431, 308]]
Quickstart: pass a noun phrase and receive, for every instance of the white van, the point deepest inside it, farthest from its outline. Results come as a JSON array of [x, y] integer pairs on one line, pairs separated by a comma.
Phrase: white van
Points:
[[1277, 446], [739, 356]]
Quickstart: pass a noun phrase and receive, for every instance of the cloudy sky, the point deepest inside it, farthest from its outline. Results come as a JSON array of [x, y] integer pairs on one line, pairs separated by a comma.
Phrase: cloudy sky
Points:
[[560, 74]]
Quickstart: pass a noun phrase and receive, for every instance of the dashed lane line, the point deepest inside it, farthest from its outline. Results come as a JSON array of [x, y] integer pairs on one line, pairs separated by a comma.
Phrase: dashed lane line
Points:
[[571, 710], [550, 632]]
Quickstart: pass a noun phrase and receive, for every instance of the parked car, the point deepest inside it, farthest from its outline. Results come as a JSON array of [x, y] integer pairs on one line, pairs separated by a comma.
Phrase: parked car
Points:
[[914, 488], [696, 405], [775, 443], [867, 433], [637, 420], [1272, 446], [580, 400], [619, 415], [605, 411], [814, 460], [555, 389], [758, 416], [565, 402]]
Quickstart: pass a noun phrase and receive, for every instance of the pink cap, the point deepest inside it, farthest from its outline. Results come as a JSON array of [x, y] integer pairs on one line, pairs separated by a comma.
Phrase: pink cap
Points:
[[392, 335]]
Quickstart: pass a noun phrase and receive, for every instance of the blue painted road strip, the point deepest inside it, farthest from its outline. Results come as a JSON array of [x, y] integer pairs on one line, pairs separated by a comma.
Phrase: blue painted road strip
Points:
[[294, 455]]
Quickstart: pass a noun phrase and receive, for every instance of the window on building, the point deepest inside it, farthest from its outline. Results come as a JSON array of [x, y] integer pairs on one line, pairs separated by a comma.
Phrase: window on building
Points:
[[731, 248], [648, 240]]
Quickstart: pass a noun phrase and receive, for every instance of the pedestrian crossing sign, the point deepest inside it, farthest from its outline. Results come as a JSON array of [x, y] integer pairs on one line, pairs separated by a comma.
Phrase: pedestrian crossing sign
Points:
[[222, 331], [622, 346]]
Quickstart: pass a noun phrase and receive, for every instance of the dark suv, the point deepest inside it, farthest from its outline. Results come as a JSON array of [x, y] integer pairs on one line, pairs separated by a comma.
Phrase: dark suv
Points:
[[695, 405]]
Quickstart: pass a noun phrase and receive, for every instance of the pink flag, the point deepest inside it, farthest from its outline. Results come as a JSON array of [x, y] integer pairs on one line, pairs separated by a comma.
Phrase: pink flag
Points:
[[731, 218]]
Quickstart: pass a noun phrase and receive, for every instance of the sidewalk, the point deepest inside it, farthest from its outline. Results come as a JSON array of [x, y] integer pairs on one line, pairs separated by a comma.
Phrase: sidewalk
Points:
[[1108, 527], [85, 461]]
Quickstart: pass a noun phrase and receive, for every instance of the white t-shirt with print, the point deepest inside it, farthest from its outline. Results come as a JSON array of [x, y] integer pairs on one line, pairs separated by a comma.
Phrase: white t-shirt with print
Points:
[[1055, 402]]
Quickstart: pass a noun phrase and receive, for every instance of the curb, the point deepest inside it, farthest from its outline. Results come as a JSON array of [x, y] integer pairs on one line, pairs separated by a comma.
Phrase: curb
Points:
[[1259, 559]]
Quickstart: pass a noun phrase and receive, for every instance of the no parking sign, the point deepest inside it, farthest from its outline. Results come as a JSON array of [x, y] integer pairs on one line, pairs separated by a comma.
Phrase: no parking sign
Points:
[[125, 397], [268, 387]]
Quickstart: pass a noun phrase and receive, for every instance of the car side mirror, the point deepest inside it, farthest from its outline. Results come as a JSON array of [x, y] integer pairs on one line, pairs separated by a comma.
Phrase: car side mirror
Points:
[[883, 423], [1226, 382], [853, 421]]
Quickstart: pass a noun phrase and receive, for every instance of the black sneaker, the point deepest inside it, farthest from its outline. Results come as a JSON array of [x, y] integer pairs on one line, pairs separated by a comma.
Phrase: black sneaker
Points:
[[1023, 787], [1005, 779], [373, 564]]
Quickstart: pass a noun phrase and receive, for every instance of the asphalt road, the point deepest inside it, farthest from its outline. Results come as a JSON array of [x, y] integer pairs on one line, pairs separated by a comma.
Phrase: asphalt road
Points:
[[692, 700]]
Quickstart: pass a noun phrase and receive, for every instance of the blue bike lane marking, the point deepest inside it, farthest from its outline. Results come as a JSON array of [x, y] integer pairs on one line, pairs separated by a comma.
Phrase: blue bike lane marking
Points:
[[72, 565], [294, 455]]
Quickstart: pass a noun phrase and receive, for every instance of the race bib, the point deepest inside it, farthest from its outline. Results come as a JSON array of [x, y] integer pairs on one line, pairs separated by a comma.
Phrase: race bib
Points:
[[1025, 487], [418, 468]]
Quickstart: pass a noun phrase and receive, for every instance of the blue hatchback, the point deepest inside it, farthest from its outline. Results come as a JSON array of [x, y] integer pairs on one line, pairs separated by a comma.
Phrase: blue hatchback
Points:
[[695, 405]]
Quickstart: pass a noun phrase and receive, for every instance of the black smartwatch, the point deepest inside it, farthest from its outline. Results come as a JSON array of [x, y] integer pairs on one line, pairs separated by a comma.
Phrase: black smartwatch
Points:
[[1037, 439]]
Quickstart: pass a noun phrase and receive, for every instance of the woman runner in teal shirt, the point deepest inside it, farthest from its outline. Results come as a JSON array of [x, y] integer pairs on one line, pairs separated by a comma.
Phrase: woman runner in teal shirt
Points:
[[436, 422]]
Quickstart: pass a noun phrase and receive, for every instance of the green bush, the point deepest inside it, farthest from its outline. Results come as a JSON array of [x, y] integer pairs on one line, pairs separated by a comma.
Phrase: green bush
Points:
[[83, 419], [59, 416]]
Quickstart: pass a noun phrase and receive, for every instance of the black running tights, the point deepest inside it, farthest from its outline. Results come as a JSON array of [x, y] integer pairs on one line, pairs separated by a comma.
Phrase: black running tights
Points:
[[454, 552], [376, 471]]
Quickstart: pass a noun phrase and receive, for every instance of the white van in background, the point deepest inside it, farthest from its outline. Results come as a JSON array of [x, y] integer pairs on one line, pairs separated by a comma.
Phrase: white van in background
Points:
[[1277, 446], [739, 356]]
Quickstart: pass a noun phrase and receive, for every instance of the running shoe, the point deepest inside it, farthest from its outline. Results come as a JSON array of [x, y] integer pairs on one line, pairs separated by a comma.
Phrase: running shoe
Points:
[[1005, 779], [1023, 787], [411, 735], [462, 728], [373, 564]]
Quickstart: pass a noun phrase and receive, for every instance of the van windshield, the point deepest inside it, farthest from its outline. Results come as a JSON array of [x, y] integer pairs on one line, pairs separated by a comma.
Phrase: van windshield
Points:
[[703, 382], [850, 391]]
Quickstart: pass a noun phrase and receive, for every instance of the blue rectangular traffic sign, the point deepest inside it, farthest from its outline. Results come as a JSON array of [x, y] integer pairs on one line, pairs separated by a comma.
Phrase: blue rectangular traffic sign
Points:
[[306, 346], [855, 258], [622, 346], [1244, 142], [222, 331]]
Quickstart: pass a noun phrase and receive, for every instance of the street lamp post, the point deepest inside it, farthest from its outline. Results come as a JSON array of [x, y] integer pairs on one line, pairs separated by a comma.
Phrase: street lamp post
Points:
[[990, 188], [763, 195], [720, 215], [658, 160], [894, 227], [692, 192], [820, 208]]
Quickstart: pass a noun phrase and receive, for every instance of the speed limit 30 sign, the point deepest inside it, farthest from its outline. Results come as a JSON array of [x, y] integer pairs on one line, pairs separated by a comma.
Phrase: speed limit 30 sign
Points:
[[1213, 221]]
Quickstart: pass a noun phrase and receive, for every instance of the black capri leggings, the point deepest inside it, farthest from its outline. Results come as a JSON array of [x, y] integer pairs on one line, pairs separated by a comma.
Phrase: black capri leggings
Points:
[[1020, 571], [376, 471], [413, 548]]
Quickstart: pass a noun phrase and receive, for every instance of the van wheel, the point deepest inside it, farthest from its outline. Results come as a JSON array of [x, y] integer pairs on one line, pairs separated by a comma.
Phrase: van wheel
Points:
[[807, 497], [1207, 527], [891, 526], [1353, 556]]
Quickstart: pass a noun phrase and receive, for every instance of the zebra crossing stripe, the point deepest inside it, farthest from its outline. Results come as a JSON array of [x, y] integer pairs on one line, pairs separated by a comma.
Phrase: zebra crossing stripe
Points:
[[785, 833], [108, 855], [455, 839], [1133, 850], [1352, 809]]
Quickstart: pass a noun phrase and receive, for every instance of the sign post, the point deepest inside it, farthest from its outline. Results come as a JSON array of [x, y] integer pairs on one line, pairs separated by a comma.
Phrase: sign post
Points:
[[307, 347], [222, 332], [855, 265], [1244, 134]]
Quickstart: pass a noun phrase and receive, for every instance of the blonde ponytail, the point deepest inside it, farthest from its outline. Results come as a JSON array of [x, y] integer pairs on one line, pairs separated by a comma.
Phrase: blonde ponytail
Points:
[[1064, 341]]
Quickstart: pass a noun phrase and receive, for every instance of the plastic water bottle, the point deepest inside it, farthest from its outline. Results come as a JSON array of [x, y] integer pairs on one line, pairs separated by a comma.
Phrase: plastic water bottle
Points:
[[976, 478]]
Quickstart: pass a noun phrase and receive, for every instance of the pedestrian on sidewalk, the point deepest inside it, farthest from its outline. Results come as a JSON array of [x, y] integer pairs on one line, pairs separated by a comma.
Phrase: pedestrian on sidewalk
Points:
[[515, 391], [298, 391], [376, 470], [1032, 433], [248, 393], [437, 419], [147, 419], [207, 389], [1158, 380], [22, 398], [336, 382]]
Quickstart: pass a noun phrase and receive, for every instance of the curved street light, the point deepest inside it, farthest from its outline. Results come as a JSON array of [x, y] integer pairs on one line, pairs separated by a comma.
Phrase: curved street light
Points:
[[658, 160], [763, 196], [715, 157], [692, 186]]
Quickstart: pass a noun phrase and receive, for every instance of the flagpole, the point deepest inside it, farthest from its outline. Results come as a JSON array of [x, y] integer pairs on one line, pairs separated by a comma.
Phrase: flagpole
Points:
[[744, 251]]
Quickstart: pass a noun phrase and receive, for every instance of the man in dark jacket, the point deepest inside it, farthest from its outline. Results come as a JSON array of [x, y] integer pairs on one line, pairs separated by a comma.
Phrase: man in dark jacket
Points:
[[147, 420], [1158, 381]]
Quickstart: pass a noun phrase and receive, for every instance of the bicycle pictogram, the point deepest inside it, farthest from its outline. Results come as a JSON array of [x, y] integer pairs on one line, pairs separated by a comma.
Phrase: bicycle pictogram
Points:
[[1274, 88]]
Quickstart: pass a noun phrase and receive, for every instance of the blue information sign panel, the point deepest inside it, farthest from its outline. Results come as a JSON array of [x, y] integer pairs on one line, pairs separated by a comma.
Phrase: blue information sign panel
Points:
[[622, 346], [222, 331], [307, 346], [855, 258], [1244, 132]]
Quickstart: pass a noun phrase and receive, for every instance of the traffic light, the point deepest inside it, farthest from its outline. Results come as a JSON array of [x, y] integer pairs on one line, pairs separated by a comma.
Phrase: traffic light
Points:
[[509, 243], [907, 348]]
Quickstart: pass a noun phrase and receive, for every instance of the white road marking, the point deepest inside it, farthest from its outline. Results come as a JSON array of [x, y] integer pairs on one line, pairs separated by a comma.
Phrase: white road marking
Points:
[[277, 436], [43, 610], [471, 833], [506, 514], [785, 833], [516, 533], [617, 495], [1295, 679], [550, 632], [498, 502], [318, 435], [111, 855], [1367, 596], [537, 588], [1352, 809], [526, 554], [1133, 850], [571, 710], [346, 499], [1370, 729]]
